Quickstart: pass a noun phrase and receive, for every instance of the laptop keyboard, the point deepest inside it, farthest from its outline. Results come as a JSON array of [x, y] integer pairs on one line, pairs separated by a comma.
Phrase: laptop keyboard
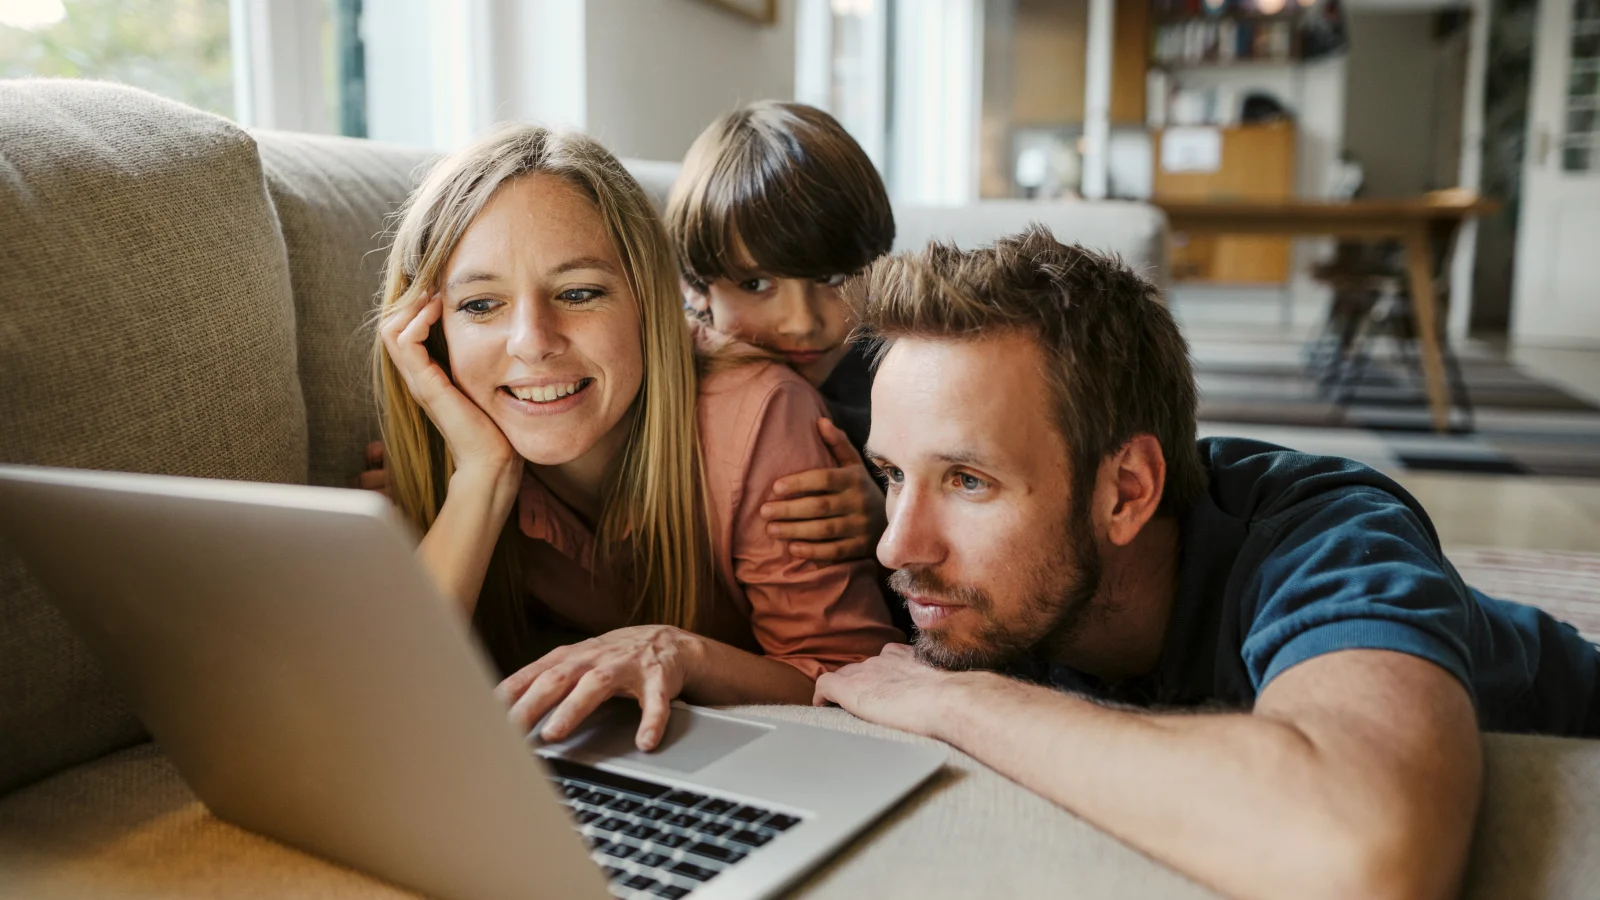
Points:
[[657, 841]]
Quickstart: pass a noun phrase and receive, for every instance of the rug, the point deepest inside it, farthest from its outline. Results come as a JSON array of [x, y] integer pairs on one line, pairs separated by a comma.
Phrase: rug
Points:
[[1520, 425], [1565, 585]]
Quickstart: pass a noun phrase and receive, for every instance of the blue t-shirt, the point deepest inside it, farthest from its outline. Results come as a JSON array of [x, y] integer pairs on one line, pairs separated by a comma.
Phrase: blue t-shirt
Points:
[[1289, 556]]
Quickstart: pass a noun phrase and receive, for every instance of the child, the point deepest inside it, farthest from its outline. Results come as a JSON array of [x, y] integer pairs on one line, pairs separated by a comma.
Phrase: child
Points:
[[775, 207]]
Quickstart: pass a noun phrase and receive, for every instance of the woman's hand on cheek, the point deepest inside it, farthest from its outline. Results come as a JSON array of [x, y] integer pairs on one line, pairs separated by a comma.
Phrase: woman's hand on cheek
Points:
[[829, 514], [650, 663], [475, 441]]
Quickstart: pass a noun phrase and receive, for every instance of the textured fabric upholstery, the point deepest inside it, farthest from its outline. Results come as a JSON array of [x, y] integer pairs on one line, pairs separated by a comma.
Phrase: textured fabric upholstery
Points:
[[126, 827], [145, 325], [334, 197]]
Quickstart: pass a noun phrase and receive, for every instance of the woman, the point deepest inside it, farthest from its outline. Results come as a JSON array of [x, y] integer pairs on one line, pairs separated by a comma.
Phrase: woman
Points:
[[534, 359]]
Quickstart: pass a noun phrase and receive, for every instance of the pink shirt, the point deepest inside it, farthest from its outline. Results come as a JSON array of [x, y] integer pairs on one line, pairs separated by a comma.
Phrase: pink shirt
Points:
[[758, 423]]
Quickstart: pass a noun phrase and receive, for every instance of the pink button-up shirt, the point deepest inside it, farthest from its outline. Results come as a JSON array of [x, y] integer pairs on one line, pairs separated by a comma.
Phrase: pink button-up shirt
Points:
[[758, 423]]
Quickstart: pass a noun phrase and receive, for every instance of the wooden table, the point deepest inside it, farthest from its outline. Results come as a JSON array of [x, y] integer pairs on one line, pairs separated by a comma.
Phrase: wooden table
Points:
[[1424, 225]]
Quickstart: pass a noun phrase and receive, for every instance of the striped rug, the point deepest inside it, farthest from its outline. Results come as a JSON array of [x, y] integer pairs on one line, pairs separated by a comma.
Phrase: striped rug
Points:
[[1521, 425]]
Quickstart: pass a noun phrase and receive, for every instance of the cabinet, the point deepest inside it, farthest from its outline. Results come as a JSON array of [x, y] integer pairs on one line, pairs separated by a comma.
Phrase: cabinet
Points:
[[1257, 165]]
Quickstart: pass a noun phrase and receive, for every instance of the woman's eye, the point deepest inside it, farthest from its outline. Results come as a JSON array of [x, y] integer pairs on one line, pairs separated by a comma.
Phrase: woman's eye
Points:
[[477, 307], [577, 296], [833, 280], [756, 285]]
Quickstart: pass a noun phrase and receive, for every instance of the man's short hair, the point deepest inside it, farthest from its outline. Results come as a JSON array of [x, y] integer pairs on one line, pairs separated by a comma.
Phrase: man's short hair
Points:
[[790, 184], [1118, 366]]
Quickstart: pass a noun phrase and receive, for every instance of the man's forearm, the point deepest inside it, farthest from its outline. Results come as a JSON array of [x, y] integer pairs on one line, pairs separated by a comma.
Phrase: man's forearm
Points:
[[1240, 802]]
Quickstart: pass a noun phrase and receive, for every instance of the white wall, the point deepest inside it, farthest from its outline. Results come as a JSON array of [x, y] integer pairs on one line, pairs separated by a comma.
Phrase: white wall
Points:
[[1392, 107], [659, 71]]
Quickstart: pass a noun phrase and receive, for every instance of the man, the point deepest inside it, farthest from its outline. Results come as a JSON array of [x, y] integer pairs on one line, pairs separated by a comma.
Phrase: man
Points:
[[1085, 577]]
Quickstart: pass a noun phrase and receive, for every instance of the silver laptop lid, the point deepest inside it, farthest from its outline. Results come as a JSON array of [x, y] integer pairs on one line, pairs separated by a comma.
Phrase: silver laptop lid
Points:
[[187, 590]]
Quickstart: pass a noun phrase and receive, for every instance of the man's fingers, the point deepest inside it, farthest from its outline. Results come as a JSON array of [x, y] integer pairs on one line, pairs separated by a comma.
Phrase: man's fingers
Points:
[[832, 551], [814, 481], [656, 709], [844, 453], [820, 695], [594, 688]]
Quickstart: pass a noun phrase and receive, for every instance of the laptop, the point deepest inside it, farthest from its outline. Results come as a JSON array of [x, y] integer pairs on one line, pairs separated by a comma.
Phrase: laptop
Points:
[[288, 652]]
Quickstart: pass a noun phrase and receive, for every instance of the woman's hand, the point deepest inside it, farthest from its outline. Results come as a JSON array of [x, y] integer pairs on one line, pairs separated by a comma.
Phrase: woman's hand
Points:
[[650, 663], [836, 513], [475, 441]]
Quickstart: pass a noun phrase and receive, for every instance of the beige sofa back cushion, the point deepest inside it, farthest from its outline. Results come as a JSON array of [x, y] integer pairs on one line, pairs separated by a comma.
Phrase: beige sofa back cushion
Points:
[[335, 198], [146, 325]]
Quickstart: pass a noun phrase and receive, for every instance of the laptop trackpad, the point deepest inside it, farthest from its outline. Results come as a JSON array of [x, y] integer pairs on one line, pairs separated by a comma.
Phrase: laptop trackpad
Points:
[[692, 741]]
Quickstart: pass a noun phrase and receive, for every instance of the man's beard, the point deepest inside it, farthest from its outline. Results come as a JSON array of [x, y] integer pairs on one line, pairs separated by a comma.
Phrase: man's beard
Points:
[[1059, 594]]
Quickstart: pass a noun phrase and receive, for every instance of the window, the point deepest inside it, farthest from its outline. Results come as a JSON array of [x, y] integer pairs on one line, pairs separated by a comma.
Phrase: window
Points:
[[291, 64], [176, 48]]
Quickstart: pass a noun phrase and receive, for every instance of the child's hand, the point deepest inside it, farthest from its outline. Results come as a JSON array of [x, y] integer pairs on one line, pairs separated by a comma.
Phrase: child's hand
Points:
[[375, 477], [835, 513]]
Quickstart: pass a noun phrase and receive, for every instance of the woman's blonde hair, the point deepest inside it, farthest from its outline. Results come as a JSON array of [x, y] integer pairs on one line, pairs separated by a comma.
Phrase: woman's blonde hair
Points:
[[653, 534]]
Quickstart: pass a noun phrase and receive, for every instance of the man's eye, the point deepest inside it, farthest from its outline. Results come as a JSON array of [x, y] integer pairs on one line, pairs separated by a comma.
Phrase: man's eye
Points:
[[477, 307], [833, 280], [970, 482], [756, 285], [891, 474], [579, 296]]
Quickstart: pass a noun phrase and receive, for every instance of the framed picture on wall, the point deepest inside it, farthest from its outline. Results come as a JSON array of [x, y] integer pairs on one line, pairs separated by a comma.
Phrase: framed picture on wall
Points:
[[762, 12]]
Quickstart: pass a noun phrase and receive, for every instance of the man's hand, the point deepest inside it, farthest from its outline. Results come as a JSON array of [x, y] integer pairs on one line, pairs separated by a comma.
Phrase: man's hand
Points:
[[897, 690], [835, 513], [647, 662]]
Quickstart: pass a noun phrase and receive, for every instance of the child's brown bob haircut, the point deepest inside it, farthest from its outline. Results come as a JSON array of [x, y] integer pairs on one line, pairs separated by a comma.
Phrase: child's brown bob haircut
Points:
[[785, 184]]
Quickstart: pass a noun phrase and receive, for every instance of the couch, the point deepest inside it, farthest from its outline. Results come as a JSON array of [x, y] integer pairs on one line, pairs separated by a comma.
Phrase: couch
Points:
[[182, 296]]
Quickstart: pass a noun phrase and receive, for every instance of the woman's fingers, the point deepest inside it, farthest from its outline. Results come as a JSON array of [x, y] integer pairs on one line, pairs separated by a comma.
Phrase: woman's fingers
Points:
[[595, 687], [859, 547], [543, 694], [517, 683], [656, 708]]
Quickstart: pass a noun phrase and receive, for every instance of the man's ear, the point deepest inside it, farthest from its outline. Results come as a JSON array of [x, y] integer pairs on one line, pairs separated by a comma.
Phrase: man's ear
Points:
[[1136, 475]]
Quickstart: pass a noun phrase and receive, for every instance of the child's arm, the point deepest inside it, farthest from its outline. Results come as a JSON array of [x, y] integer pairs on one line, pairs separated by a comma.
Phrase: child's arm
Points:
[[834, 513]]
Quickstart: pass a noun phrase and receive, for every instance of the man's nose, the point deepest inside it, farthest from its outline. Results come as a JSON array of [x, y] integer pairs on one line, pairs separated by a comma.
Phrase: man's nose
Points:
[[536, 332], [798, 301], [913, 537]]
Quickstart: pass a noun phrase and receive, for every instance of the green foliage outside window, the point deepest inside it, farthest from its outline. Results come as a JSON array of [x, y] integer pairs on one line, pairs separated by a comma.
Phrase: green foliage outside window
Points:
[[176, 48]]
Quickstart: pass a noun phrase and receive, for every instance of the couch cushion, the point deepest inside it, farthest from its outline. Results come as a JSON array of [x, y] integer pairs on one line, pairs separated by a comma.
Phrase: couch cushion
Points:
[[334, 197], [1135, 231], [145, 325]]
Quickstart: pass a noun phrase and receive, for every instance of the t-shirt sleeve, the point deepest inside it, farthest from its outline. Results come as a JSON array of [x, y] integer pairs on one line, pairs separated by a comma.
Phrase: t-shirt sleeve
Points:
[[813, 616], [1358, 571]]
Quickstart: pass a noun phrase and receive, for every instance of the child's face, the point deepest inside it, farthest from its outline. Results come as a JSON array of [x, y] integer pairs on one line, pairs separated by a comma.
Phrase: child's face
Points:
[[801, 319]]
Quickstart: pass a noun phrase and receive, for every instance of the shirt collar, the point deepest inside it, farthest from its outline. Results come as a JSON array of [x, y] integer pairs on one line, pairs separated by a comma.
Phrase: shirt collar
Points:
[[543, 517]]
